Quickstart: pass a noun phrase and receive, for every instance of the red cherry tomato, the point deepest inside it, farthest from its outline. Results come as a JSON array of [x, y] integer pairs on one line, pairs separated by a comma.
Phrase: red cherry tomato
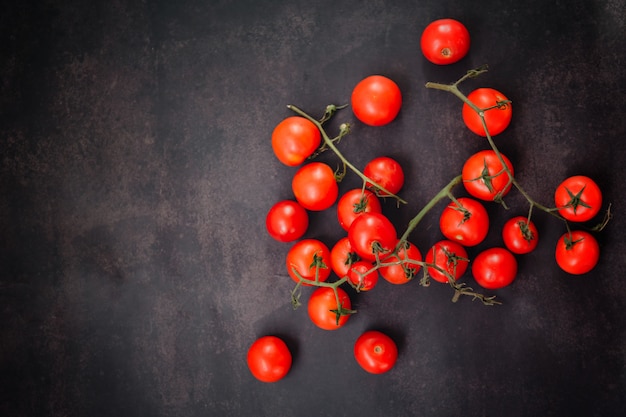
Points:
[[467, 224], [578, 198], [363, 275], [450, 256], [315, 187], [287, 221], [484, 176], [269, 359], [401, 273], [497, 118], [324, 311], [386, 172], [295, 139], [354, 203], [376, 100], [342, 256], [309, 257], [372, 233], [577, 253], [520, 235], [375, 352], [494, 268], [445, 41]]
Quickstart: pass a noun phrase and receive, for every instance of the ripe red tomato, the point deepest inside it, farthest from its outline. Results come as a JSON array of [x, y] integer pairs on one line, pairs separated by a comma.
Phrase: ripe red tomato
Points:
[[484, 176], [494, 268], [577, 253], [450, 256], [315, 187], [578, 198], [385, 172], [497, 118], [445, 41], [342, 256], [269, 359], [363, 275], [308, 257], [376, 100], [375, 352], [295, 139], [520, 235], [403, 272], [467, 225], [354, 203], [287, 221], [324, 311], [372, 233]]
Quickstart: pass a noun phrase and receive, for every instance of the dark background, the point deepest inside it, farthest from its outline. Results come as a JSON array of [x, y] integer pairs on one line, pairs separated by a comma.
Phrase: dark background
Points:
[[136, 172]]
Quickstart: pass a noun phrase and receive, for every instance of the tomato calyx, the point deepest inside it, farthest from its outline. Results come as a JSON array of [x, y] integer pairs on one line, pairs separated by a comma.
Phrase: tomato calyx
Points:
[[341, 311], [576, 199], [570, 242], [524, 228]]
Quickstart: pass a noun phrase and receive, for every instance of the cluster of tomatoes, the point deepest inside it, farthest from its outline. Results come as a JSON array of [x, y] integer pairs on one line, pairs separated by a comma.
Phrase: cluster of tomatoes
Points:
[[371, 247]]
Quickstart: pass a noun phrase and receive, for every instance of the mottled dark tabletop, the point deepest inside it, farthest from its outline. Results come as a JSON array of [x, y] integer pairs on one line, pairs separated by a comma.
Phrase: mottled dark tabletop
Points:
[[136, 172]]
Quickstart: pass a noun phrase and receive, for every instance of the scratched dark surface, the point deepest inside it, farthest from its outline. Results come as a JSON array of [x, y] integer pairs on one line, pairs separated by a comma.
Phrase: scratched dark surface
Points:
[[136, 172]]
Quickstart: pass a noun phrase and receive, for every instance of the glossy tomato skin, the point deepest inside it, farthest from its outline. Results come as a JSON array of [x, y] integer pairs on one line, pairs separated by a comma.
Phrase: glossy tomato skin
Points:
[[467, 231], [494, 268], [375, 352], [445, 41], [320, 306], [342, 256], [301, 256], [287, 221], [520, 235], [386, 172], [355, 202], [497, 119], [294, 140], [371, 228], [577, 253], [363, 276], [376, 100], [269, 359], [315, 187], [396, 274], [484, 176], [578, 198], [450, 256]]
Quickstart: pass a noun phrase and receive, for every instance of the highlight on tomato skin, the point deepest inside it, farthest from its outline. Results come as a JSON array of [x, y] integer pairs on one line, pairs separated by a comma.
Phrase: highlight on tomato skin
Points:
[[287, 221]]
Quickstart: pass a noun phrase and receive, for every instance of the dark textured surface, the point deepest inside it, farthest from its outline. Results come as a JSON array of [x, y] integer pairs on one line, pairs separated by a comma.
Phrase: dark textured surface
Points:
[[136, 172]]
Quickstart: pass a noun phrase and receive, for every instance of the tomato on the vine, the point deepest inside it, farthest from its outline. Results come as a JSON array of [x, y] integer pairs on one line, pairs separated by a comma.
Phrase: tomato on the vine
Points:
[[269, 359], [445, 41], [450, 256], [578, 198], [324, 311], [363, 275], [484, 176], [315, 187], [287, 221], [386, 172], [371, 234], [376, 100], [467, 224], [577, 253], [342, 256], [295, 139], [375, 352], [520, 235], [354, 203], [309, 257], [494, 268], [403, 266], [497, 116]]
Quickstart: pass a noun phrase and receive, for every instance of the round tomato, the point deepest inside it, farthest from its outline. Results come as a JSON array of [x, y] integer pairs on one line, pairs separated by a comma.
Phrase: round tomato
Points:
[[315, 187], [445, 41], [269, 359], [450, 256], [577, 253], [520, 235], [484, 176], [497, 116], [386, 172], [324, 311], [371, 234], [354, 203], [494, 268], [309, 257], [375, 352], [342, 257], [467, 224], [404, 266], [376, 100], [363, 275], [578, 198], [295, 139], [287, 221]]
